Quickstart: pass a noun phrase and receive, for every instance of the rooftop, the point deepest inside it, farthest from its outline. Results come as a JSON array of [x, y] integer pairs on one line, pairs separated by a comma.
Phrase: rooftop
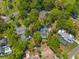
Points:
[[44, 31], [47, 53], [20, 30], [42, 14], [3, 41], [68, 37]]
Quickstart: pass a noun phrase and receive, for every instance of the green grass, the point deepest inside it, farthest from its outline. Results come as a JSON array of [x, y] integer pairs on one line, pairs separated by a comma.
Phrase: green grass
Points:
[[69, 47], [77, 56]]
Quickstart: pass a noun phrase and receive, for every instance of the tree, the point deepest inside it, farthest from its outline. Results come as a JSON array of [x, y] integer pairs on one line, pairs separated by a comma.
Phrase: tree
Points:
[[35, 4], [55, 14], [23, 7], [66, 7], [3, 26], [11, 38], [65, 55], [75, 9], [65, 24], [53, 42], [37, 38], [66, 4], [37, 25], [33, 15], [48, 4]]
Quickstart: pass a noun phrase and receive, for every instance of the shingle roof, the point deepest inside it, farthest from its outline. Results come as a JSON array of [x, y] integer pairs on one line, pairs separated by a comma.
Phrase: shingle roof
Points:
[[42, 14], [48, 53], [3, 41], [20, 30], [44, 32]]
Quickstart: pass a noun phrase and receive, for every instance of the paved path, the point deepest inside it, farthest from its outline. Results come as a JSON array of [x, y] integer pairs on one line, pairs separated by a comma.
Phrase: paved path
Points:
[[76, 41], [73, 57], [73, 52], [1, 0]]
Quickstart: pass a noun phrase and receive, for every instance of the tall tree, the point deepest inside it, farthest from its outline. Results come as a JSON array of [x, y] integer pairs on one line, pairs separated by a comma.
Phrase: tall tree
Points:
[[48, 4], [53, 42], [37, 38]]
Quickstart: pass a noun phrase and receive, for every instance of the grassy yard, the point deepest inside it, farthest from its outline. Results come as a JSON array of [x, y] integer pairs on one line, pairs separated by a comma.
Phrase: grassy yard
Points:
[[4, 57], [69, 47], [77, 56]]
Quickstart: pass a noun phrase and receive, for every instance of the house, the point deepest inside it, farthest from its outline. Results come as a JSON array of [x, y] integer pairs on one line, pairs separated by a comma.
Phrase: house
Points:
[[21, 30], [3, 41], [28, 55], [44, 31], [23, 37], [43, 14], [47, 53], [66, 36], [4, 49], [36, 57]]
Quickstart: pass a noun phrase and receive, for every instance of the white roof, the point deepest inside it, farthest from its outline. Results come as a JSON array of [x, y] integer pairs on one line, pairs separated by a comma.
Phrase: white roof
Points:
[[68, 37], [7, 49]]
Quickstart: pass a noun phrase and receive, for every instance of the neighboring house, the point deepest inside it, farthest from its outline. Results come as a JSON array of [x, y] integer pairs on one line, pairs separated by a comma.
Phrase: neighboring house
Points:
[[47, 53], [28, 55], [66, 36], [3, 41], [4, 49], [43, 14], [23, 37], [36, 54], [44, 32], [21, 31], [36, 57]]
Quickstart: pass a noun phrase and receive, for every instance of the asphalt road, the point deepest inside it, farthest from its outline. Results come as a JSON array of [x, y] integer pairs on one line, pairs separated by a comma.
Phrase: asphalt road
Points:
[[73, 52]]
